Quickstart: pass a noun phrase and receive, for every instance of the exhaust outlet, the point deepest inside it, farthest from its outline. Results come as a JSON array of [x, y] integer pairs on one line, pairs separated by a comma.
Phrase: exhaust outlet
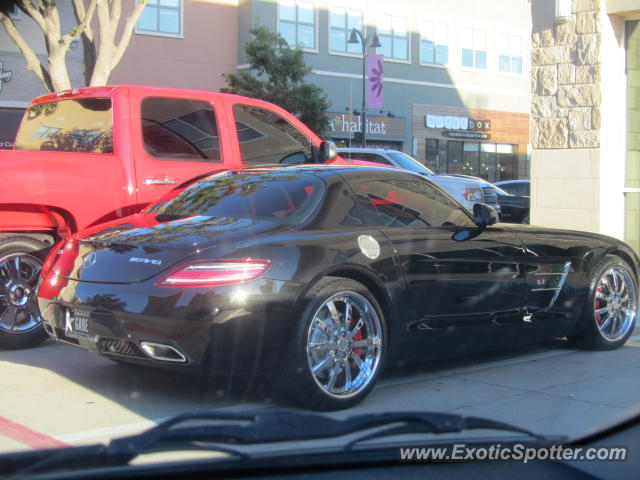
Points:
[[162, 352]]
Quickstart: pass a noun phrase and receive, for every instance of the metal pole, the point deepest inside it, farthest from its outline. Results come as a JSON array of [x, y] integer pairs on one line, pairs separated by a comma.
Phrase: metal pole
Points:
[[363, 114]]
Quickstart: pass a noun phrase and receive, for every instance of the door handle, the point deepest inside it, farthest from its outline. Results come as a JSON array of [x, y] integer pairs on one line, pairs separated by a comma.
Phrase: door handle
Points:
[[159, 181]]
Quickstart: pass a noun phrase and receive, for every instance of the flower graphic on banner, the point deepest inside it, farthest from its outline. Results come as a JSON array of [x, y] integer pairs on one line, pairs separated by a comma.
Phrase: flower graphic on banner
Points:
[[376, 81]]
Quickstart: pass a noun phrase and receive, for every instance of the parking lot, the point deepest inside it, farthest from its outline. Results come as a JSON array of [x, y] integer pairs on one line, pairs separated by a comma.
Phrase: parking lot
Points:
[[56, 395]]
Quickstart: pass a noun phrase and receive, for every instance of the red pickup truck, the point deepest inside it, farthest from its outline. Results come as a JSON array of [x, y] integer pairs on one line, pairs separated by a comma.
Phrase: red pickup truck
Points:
[[90, 155]]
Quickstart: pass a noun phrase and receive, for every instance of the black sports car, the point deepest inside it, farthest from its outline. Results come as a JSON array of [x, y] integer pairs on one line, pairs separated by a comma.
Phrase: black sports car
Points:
[[322, 274]]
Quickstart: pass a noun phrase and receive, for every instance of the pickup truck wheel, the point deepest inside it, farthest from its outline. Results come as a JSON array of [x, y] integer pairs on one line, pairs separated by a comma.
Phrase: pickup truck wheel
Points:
[[21, 260]]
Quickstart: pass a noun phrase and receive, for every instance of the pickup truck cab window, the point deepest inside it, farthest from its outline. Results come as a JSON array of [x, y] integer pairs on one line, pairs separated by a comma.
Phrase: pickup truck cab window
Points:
[[180, 129], [267, 138], [73, 125]]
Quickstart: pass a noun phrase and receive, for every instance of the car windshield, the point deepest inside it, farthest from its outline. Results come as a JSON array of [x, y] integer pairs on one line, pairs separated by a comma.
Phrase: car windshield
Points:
[[405, 161], [275, 196]]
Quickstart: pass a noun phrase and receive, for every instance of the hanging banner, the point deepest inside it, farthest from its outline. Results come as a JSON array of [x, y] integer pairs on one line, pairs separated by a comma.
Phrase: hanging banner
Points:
[[375, 81]]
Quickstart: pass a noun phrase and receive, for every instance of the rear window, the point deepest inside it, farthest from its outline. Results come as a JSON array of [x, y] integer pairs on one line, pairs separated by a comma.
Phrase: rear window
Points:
[[73, 125], [283, 197]]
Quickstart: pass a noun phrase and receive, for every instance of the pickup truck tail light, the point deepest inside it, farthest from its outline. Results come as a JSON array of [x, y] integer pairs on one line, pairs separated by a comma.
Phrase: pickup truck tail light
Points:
[[214, 273]]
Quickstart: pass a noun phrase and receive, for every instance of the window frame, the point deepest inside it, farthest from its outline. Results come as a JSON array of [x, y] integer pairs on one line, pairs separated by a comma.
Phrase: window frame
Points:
[[510, 32], [356, 7], [435, 21], [405, 17], [157, 33], [214, 162], [315, 48], [474, 28], [355, 182]]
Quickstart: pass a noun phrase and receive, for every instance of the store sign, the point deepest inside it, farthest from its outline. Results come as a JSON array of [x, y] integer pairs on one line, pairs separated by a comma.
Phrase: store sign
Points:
[[345, 124], [451, 122], [467, 135]]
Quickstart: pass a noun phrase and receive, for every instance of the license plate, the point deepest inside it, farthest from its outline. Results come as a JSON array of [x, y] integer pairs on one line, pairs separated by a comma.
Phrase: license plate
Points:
[[76, 324]]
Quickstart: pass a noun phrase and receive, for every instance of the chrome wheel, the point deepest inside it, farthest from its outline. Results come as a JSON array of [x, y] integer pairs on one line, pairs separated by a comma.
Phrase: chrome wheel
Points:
[[344, 344], [615, 303], [18, 280]]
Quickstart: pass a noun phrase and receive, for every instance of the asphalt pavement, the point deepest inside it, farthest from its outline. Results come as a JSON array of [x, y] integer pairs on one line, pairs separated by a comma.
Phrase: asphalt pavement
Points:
[[55, 395]]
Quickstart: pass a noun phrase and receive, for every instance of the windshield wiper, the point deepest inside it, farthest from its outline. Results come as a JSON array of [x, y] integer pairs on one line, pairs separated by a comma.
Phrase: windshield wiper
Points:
[[183, 432]]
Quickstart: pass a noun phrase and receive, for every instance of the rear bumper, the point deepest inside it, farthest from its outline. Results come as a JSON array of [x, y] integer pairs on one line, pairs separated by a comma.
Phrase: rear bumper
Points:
[[218, 330]]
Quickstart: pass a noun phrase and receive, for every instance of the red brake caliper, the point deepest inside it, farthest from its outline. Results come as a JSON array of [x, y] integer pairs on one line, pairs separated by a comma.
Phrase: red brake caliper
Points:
[[598, 306], [357, 336]]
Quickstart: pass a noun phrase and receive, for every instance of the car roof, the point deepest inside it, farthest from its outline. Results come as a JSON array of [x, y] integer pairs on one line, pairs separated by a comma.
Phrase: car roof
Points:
[[324, 169], [504, 182]]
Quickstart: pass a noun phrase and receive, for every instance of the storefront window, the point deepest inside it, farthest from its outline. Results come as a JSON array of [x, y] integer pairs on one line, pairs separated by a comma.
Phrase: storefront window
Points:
[[470, 159], [491, 161], [454, 154], [488, 161], [431, 154]]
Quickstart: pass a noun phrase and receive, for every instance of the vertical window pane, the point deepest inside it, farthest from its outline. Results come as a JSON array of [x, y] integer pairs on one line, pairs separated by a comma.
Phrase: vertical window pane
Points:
[[516, 64], [288, 32], [400, 46], [384, 24], [467, 57], [504, 63], [441, 34], [148, 19], [306, 36], [479, 40], [337, 17], [503, 42], [354, 19], [287, 10], [169, 3], [386, 45], [337, 40], [399, 26], [169, 21], [426, 30], [481, 60], [467, 38], [305, 12], [516, 46], [442, 54], [427, 52]]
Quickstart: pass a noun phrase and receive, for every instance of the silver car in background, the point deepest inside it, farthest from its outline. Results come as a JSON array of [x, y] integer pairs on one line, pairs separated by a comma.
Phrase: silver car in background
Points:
[[466, 190]]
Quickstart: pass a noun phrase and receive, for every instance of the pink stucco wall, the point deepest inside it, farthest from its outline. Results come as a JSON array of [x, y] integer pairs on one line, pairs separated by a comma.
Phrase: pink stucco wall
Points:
[[208, 49]]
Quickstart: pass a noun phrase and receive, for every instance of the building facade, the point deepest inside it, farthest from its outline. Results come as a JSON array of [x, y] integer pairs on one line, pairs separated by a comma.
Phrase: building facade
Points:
[[176, 43], [456, 75], [585, 161]]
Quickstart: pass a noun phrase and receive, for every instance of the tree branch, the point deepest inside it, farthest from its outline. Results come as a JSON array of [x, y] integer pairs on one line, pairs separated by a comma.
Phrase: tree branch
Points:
[[35, 13], [82, 25], [33, 63], [81, 13], [127, 31]]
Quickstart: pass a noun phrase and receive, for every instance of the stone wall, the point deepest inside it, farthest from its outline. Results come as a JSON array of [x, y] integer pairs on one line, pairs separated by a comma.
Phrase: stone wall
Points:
[[566, 96]]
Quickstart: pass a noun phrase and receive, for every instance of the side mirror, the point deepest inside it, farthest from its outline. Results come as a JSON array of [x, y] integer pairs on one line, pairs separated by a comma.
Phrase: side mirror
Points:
[[328, 151], [484, 215]]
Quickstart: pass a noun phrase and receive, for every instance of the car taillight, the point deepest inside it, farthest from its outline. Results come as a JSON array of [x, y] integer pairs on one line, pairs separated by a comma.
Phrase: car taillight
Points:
[[51, 258], [213, 273]]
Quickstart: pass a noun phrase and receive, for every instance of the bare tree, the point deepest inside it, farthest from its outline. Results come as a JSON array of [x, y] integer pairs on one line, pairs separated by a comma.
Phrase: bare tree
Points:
[[98, 26]]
